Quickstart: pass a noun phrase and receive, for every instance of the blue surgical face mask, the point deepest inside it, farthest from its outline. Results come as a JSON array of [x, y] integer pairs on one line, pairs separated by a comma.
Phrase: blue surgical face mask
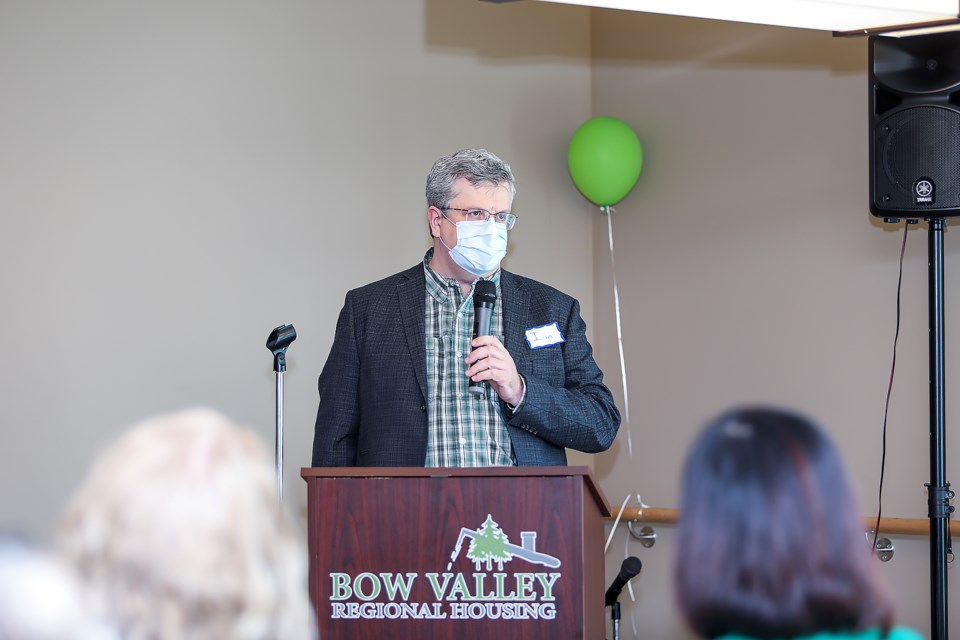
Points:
[[481, 245]]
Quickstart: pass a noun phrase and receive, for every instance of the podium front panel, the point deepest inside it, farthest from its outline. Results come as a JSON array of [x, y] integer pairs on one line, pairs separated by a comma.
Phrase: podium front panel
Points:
[[466, 557]]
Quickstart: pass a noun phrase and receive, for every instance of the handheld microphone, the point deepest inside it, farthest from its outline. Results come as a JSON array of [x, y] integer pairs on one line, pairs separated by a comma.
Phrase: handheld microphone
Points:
[[628, 570], [484, 297]]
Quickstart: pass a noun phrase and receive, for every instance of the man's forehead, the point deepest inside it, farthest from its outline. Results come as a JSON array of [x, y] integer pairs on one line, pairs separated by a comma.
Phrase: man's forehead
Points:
[[463, 188]]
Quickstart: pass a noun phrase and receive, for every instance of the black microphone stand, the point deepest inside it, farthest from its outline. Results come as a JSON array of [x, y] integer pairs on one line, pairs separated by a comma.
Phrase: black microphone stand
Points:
[[278, 341], [615, 617], [628, 570]]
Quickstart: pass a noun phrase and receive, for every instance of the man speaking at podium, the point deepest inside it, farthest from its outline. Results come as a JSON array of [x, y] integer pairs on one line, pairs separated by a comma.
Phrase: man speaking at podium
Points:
[[412, 380]]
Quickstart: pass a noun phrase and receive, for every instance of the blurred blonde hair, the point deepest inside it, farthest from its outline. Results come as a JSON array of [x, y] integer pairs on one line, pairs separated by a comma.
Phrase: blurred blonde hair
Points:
[[177, 533]]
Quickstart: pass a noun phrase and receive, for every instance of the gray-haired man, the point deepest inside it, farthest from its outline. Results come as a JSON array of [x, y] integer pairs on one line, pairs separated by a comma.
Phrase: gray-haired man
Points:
[[394, 390]]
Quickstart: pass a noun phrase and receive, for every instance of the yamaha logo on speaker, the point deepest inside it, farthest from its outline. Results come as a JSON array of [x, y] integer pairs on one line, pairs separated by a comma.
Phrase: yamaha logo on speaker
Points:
[[924, 191]]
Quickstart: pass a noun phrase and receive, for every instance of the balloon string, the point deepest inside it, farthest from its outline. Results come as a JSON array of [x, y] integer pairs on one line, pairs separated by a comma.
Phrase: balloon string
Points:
[[616, 521], [616, 304], [633, 599]]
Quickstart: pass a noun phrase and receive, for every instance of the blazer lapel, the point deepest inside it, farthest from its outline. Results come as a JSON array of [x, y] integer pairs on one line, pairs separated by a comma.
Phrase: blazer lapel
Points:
[[410, 294], [515, 306]]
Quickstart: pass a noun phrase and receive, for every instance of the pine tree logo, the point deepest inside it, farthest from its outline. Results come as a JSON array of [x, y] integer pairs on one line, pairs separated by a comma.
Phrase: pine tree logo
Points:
[[489, 546]]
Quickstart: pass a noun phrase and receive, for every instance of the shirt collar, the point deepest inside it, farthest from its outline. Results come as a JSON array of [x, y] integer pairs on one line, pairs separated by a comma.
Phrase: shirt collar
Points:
[[439, 287]]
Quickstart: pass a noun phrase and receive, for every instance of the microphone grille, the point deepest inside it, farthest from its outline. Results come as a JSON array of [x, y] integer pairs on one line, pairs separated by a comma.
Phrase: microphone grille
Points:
[[485, 289], [630, 567]]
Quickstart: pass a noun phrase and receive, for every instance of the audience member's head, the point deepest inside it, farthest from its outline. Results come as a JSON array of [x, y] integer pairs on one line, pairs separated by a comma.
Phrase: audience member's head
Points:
[[771, 543], [177, 533], [40, 598]]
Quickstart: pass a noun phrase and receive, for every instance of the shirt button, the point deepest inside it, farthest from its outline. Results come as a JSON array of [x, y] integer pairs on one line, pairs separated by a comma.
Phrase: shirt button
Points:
[[459, 314], [459, 395], [463, 441], [459, 354]]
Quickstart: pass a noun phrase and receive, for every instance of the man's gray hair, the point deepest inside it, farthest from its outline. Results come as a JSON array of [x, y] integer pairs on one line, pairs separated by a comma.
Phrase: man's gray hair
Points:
[[477, 166]]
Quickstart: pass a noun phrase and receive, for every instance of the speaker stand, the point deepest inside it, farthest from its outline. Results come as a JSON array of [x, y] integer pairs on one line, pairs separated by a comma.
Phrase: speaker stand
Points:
[[938, 489]]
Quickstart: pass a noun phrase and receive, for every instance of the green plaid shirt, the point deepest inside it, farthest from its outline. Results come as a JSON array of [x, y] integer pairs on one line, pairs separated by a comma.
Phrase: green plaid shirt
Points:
[[463, 430]]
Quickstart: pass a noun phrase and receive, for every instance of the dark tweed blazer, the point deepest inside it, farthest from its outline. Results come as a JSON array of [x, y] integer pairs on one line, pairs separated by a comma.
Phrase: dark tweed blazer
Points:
[[373, 387]]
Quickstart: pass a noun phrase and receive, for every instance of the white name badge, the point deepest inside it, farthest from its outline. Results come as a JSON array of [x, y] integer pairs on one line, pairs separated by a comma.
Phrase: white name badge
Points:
[[544, 336]]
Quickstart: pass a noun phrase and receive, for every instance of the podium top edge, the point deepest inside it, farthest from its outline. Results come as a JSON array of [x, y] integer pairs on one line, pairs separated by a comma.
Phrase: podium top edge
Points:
[[439, 472], [308, 473]]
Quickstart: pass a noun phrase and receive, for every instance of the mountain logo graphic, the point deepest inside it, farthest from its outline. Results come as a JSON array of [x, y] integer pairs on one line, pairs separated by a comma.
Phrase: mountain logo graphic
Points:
[[489, 545]]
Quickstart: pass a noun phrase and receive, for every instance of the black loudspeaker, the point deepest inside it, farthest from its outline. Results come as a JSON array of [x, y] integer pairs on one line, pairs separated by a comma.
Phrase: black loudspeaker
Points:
[[915, 126]]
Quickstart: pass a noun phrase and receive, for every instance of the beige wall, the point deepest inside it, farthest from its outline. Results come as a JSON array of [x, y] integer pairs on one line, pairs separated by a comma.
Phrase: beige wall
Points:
[[750, 270], [178, 178]]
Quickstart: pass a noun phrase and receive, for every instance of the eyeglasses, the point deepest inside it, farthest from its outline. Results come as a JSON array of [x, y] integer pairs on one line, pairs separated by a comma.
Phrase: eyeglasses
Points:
[[476, 215]]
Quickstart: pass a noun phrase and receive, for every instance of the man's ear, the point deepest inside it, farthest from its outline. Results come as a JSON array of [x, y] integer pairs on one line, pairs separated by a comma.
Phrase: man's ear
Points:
[[434, 218]]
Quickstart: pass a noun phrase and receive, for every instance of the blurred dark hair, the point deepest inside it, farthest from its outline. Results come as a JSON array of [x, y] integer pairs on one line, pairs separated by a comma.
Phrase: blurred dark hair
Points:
[[770, 541]]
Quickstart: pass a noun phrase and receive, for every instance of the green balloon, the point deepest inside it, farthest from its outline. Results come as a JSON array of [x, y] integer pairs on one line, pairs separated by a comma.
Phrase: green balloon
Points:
[[605, 158]]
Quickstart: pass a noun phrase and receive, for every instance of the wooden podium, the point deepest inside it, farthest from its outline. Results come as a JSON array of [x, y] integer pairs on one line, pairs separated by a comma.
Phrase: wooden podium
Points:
[[472, 554]]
